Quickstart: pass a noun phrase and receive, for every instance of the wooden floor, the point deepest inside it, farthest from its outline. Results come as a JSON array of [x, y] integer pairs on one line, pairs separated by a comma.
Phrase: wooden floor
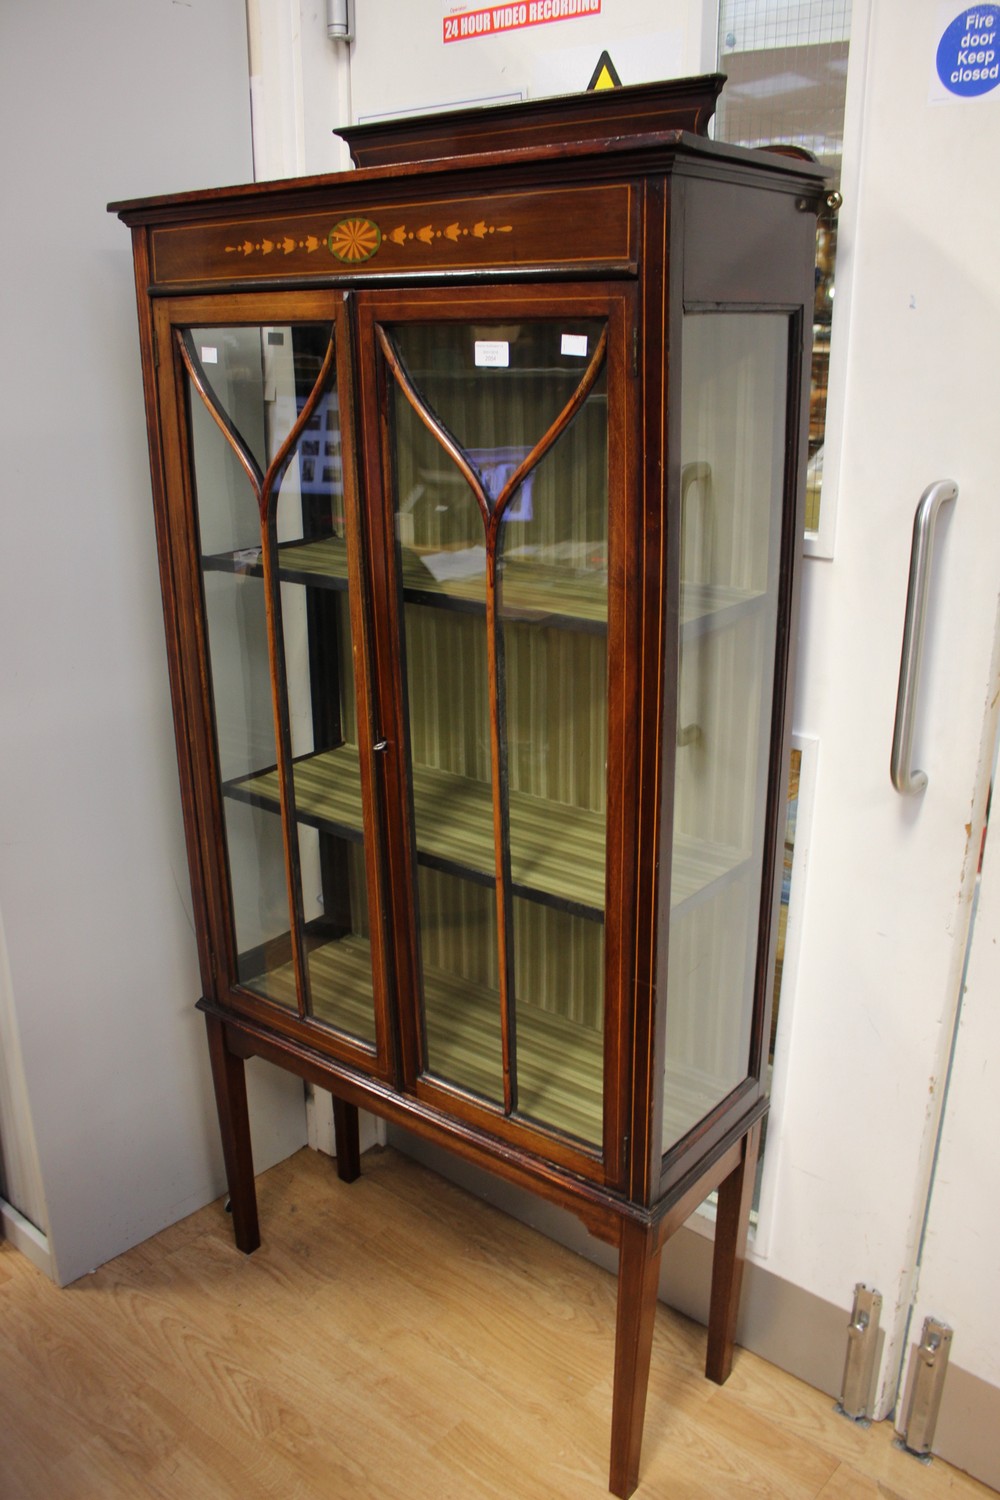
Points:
[[392, 1338]]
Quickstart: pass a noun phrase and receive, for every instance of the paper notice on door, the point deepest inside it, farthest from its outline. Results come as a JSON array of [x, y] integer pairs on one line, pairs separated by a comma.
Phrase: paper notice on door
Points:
[[463, 21]]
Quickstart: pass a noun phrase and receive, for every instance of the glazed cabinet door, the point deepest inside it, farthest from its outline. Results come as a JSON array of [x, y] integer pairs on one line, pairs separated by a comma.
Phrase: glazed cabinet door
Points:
[[263, 548], [499, 442]]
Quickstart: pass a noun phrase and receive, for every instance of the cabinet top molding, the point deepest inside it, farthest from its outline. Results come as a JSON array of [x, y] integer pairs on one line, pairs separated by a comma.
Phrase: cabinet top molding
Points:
[[651, 123], [563, 120]]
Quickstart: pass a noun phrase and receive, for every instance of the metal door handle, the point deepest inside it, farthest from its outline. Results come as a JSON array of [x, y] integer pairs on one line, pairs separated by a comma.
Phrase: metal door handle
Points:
[[904, 779]]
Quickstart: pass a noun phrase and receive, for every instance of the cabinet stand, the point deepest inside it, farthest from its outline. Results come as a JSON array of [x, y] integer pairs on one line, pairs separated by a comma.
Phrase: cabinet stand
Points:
[[229, 1078], [640, 1248], [732, 1224], [638, 1280], [345, 1123]]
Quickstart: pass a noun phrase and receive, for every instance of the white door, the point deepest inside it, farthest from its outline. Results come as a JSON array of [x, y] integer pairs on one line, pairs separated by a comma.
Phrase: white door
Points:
[[890, 879], [961, 1249], [883, 908]]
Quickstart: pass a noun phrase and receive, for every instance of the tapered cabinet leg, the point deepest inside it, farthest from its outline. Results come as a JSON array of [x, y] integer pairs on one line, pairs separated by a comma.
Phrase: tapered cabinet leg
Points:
[[638, 1281], [229, 1077], [345, 1123], [732, 1223]]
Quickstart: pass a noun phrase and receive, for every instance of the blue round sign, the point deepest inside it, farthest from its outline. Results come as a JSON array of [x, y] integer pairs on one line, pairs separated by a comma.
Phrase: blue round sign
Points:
[[968, 57]]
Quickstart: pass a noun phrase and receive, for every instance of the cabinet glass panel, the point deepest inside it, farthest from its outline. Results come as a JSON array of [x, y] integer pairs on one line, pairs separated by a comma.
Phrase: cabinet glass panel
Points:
[[734, 398], [265, 441], [500, 471]]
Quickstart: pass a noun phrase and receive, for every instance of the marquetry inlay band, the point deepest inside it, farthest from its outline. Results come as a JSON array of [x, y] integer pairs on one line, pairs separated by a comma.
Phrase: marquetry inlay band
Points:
[[356, 240], [427, 233], [566, 226], [281, 246]]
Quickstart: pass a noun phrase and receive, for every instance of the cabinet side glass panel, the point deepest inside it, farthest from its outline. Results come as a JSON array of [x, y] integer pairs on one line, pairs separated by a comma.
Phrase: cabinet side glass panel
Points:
[[498, 390], [262, 379], [734, 399]]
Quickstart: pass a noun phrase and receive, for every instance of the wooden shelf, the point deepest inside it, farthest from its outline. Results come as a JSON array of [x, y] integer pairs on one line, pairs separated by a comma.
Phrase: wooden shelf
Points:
[[340, 978], [699, 869], [532, 591], [559, 1063], [689, 1094], [557, 852]]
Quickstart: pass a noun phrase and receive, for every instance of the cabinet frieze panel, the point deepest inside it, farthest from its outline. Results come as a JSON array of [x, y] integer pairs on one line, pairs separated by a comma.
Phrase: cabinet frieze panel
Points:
[[576, 226]]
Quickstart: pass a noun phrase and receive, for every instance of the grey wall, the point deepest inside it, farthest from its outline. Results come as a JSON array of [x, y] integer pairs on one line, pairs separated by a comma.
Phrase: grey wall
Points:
[[108, 100]]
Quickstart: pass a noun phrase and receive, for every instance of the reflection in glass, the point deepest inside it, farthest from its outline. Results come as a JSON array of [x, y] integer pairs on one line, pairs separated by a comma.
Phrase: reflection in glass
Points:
[[498, 390], [788, 82], [260, 381], [734, 385]]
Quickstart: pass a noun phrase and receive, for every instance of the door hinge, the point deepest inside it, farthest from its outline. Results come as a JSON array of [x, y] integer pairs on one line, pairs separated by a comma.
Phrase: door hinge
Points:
[[928, 1367], [862, 1347]]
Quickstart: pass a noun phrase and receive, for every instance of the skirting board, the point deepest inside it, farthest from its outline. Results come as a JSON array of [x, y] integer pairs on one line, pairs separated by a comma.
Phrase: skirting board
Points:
[[23, 1235], [785, 1325], [320, 1127]]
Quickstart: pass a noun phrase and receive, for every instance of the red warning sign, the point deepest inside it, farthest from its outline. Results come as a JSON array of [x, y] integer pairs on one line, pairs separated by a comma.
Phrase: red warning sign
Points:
[[495, 18]]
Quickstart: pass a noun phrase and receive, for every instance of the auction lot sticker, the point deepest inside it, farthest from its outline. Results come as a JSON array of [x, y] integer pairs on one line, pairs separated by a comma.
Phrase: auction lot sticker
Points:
[[968, 57]]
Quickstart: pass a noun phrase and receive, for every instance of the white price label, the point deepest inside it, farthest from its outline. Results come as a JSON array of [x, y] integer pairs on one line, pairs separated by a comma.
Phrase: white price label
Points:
[[210, 356], [574, 343], [493, 354]]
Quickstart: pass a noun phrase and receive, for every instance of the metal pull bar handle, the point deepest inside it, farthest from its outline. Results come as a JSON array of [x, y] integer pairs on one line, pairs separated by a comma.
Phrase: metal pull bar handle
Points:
[[904, 779]]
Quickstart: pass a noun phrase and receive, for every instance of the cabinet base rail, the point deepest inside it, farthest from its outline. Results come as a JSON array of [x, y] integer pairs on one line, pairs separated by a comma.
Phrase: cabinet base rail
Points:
[[638, 1233]]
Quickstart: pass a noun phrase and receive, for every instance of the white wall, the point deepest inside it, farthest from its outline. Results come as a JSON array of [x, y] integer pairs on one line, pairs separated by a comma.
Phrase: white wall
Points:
[[304, 86], [97, 102], [646, 39]]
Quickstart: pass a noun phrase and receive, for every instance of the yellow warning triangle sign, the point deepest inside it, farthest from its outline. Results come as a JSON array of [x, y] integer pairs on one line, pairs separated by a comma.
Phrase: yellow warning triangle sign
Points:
[[605, 75]]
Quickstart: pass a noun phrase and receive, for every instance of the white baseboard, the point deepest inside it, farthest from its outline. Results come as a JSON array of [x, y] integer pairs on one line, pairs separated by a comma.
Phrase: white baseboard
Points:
[[321, 1132], [22, 1234]]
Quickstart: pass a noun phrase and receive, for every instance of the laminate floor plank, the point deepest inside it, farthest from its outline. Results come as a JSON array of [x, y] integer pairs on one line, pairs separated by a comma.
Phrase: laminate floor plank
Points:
[[392, 1339], [773, 1395]]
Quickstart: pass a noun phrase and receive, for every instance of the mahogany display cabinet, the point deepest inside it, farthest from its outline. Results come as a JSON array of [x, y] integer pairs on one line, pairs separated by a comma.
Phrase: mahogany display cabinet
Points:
[[478, 476]]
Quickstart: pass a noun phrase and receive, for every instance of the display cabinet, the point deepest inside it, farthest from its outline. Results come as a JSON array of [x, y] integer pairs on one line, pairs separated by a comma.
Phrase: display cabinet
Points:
[[478, 476]]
